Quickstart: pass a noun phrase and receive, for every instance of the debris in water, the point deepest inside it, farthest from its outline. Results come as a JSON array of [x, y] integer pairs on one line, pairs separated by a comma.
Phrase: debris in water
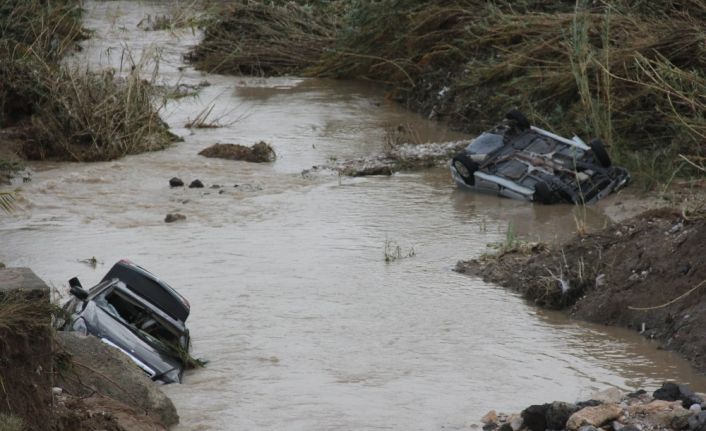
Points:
[[260, 152], [172, 217], [91, 261]]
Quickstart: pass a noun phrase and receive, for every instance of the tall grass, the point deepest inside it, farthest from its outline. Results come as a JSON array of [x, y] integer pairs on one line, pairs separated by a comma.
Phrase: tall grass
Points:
[[67, 113], [630, 73], [95, 116], [259, 38]]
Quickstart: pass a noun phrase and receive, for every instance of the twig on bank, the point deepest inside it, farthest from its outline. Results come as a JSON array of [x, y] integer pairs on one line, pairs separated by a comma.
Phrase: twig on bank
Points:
[[670, 302]]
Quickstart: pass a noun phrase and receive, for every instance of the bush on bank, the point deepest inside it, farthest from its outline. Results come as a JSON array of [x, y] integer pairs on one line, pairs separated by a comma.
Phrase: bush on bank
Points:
[[631, 73], [64, 113]]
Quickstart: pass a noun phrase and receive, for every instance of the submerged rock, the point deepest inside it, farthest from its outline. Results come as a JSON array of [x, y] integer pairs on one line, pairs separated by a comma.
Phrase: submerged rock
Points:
[[258, 153]]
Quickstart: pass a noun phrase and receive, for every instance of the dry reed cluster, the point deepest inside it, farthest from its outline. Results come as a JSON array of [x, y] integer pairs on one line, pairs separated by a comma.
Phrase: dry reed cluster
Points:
[[66, 113]]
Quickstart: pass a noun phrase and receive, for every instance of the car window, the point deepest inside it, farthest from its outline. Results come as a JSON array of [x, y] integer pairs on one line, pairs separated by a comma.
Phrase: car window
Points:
[[148, 325]]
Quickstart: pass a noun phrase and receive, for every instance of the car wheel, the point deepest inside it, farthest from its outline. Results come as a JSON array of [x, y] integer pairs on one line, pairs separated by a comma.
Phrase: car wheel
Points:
[[543, 194], [465, 167], [600, 153], [519, 119]]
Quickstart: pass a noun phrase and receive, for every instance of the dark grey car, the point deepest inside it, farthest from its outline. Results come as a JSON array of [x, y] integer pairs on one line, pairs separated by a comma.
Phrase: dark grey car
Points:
[[134, 311], [521, 161]]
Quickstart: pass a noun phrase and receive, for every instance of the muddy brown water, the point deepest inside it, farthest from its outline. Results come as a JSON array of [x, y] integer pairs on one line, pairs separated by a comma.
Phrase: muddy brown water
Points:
[[305, 324]]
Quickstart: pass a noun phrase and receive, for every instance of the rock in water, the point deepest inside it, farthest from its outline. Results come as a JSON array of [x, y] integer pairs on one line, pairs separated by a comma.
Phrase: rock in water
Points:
[[172, 217], [196, 184], [176, 182]]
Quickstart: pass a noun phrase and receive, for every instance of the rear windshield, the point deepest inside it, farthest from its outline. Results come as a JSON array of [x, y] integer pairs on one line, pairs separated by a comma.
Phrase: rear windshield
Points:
[[146, 324]]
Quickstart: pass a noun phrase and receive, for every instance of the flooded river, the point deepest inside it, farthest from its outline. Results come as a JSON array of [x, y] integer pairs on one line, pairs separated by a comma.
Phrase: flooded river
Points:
[[305, 324]]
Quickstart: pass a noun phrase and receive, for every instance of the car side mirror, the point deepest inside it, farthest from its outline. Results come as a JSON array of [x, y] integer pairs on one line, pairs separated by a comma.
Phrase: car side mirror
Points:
[[77, 290]]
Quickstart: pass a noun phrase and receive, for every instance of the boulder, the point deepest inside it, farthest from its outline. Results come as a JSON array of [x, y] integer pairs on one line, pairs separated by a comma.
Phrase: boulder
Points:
[[607, 396], [196, 184], [96, 368], [558, 413], [668, 392], [534, 417], [593, 416], [176, 182], [673, 392]]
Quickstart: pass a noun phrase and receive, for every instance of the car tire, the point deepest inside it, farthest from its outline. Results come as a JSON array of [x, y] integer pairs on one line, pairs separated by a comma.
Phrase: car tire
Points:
[[543, 194], [600, 153], [465, 167], [519, 119]]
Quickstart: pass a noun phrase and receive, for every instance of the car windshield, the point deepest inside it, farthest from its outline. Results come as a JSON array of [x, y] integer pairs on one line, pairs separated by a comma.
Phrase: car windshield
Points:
[[144, 323]]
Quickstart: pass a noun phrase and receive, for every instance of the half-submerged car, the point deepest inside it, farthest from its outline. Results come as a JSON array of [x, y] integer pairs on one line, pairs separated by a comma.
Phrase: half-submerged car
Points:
[[521, 161], [133, 310]]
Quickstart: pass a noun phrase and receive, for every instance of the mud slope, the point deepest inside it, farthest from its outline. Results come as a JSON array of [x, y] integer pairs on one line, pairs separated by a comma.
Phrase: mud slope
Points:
[[649, 269]]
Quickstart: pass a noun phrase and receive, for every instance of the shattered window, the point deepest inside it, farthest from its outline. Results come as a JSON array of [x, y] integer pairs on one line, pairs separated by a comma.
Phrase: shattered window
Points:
[[147, 325]]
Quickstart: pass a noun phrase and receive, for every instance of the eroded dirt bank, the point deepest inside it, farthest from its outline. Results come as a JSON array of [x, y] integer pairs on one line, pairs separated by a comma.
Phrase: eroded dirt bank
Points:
[[646, 273]]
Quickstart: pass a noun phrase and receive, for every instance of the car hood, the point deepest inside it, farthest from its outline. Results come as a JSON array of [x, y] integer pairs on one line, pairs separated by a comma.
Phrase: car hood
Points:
[[158, 365]]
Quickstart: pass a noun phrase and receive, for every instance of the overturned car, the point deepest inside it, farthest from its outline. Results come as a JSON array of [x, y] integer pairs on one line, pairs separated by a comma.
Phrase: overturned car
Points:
[[521, 161], [133, 310]]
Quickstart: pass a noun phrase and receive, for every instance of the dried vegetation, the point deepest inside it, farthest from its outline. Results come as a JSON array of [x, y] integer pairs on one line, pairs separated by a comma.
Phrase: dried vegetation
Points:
[[65, 113], [631, 73]]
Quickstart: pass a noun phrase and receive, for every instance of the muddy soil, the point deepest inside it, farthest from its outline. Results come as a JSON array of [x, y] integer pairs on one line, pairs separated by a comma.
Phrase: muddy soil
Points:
[[647, 273], [98, 412]]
